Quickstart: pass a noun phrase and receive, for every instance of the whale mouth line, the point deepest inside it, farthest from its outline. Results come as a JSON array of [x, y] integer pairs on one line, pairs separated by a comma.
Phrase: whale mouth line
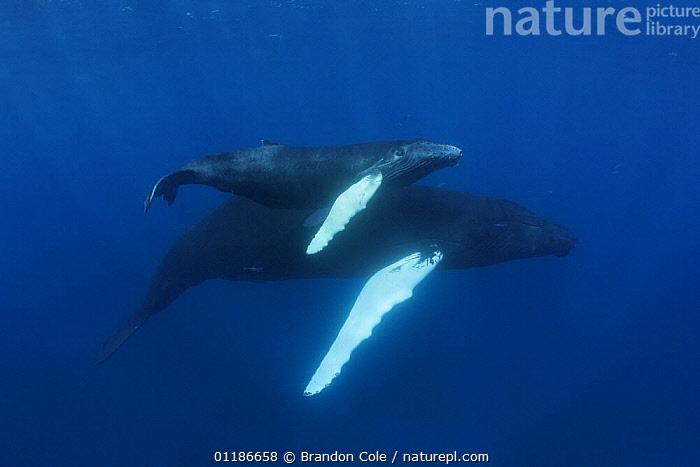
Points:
[[454, 160], [506, 223]]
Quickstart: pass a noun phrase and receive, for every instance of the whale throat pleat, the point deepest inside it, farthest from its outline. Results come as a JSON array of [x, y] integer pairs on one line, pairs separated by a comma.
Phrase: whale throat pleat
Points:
[[349, 203], [385, 289]]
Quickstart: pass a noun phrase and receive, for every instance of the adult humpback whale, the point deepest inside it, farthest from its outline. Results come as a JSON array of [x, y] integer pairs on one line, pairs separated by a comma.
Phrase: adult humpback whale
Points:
[[291, 177], [412, 230]]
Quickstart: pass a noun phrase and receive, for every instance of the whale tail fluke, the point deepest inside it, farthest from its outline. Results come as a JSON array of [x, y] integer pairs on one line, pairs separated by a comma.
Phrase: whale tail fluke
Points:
[[118, 337], [167, 187]]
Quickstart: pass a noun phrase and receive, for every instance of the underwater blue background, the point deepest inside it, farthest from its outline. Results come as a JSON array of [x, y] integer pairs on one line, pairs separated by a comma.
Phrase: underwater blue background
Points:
[[547, 361]]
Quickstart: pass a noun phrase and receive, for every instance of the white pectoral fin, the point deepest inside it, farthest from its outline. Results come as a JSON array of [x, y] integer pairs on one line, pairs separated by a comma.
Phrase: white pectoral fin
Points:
[[388, 287], [349, 203]]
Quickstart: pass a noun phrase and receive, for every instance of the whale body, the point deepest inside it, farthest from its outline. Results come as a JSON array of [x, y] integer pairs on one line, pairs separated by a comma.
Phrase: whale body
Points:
[[415, 228], [342, 177]]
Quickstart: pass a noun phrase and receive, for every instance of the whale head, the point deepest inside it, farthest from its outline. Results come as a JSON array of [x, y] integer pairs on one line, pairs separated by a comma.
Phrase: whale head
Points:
[[408, 161], [513, 232]]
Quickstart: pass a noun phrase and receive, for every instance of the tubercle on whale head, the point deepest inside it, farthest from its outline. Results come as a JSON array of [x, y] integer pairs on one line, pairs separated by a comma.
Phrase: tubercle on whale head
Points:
[[431, 150]]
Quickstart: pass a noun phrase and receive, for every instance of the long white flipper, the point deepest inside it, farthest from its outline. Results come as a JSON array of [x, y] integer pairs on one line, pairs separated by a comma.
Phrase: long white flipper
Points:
[[349, 203], [388, 287]]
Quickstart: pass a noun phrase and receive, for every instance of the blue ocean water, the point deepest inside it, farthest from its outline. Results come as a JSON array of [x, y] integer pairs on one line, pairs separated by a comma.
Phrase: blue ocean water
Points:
[[592, 358]]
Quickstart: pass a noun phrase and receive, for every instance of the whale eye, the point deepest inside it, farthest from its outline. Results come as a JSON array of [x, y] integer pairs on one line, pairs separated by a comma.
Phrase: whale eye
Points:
[[398, 154]]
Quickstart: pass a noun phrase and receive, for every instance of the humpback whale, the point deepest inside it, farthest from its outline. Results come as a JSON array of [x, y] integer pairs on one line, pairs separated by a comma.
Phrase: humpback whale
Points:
[[408, 233], [342, 177]]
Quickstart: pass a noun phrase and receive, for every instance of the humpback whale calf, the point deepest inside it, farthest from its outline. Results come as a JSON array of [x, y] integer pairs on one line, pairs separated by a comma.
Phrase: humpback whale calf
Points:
[[407, 233], [343, 177]]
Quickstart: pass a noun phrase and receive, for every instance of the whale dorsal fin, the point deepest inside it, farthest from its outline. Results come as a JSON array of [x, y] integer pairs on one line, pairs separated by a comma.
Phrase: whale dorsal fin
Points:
[[267, 142], [388, 287]]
